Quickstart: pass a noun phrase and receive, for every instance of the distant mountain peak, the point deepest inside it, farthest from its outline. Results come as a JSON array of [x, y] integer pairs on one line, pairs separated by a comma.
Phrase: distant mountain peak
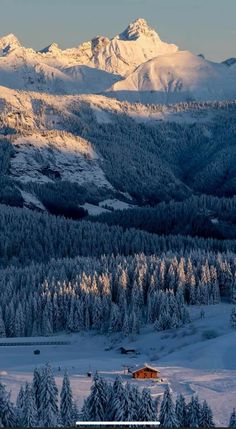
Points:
[[52, 48], [229, 62], [138, 28], [8, 43]]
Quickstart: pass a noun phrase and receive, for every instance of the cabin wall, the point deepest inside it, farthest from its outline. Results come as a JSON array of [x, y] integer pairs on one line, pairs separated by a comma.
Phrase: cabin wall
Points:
[[145, 374]]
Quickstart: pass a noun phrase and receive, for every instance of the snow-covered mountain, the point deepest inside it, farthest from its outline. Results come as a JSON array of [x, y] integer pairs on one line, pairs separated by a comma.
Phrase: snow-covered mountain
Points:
[[135, 65], [63, 118], [122, 54], [149, 152], [178, 77], [91, 67]]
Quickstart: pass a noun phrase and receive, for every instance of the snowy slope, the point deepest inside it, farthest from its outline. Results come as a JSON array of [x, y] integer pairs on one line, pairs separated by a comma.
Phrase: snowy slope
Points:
[[24, 69], [47, 132], [50, 156], [178, 77], [188, 363]]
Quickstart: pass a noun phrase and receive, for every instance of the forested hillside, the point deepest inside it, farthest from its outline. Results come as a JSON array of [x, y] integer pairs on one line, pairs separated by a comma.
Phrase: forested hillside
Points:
[[114, 286]]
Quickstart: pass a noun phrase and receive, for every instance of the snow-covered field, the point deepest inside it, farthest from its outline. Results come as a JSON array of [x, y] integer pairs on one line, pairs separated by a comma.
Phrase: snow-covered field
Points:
[[188, 361]]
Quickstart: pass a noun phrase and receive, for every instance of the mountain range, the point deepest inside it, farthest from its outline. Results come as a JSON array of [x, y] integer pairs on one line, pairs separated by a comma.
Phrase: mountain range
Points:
[[121, 122], [135, 65]]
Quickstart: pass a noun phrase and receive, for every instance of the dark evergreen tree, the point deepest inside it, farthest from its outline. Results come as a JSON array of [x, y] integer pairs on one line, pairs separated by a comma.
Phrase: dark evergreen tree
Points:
[[48, 400], [7, 412], [232, 421], [29, 410], [66, 403], [206, 416], [147, 409], [181, 411], [167, 415]]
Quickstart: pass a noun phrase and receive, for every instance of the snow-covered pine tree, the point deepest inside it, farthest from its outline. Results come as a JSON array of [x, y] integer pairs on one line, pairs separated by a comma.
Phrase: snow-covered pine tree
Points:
[[48, 411], [206, 416], [115, 319], [126, 325], [134, 399], [193, 413], [84, 414], [66, 402], [36, 386], [167, 415], [96, 404], [29, 410], [147, 409], [117, 391], [123, 406], [19, 322], [180, 411], [75, 412], [20, 403], [7, 413]]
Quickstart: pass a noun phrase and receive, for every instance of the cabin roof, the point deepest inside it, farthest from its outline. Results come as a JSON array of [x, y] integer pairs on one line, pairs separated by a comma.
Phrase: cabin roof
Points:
[[146, 366]]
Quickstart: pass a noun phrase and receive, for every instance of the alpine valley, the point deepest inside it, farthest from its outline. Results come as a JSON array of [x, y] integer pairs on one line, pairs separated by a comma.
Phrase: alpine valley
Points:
[[117, 222]]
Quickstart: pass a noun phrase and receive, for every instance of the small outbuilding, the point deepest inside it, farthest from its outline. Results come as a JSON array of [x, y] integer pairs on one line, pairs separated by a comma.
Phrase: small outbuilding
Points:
[[146, 371]]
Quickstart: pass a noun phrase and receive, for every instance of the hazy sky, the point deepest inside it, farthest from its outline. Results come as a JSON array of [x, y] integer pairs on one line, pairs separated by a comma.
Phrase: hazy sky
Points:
[[202, 26]]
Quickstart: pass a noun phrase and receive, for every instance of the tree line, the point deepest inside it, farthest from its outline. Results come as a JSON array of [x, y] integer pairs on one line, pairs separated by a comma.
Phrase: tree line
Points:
[[27, 237], [112, 293]]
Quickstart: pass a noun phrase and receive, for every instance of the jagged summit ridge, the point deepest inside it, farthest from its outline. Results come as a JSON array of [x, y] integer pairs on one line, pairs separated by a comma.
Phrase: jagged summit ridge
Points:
[[8, 43], [137, 29], [119, 55], [52, 48]]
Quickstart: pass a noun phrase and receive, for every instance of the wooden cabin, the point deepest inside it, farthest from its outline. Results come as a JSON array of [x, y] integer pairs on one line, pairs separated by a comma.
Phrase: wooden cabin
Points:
[[126, 351], [146, 371]]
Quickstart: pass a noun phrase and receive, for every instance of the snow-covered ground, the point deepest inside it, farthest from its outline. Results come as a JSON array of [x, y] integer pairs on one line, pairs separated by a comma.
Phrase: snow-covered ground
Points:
[[188, 361], [94, 210], [48, 156], [115, 204]]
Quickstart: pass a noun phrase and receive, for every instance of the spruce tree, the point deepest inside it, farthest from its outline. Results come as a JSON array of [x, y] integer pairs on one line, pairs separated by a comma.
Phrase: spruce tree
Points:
[[7, 413], [206, 416], [48, 411], [66, 402], [117, 391], [194, 413], [29, 410], [167, 416], [123, 407], [180, 411], [20, 403], [147, 409], [96, 404], [36, 386], [134, 399]]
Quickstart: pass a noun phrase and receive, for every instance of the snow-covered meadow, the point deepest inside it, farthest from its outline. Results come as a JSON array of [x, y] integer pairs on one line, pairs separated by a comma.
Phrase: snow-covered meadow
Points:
[[199, 358]]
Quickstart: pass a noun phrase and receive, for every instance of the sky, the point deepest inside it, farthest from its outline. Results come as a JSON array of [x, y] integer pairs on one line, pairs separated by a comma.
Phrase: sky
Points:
[[201, 26]]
